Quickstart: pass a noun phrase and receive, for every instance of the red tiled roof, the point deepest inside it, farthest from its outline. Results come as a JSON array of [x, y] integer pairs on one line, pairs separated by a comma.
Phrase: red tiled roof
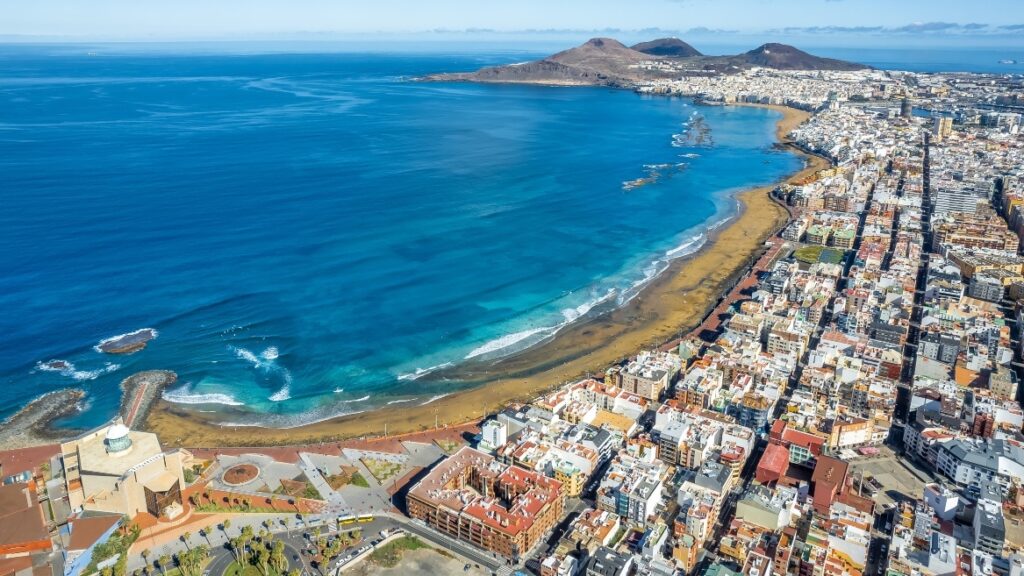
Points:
[[26, 459], [86, 531], [775, 459]]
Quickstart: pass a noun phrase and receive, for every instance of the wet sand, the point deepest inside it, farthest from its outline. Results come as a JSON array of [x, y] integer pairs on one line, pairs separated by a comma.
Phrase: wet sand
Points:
[[672, 305]]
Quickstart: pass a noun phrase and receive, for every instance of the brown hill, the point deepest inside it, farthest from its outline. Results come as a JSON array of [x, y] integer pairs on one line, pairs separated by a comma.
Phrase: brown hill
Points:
[[604, 61], [597, 61], [785, 57], [669, 47]]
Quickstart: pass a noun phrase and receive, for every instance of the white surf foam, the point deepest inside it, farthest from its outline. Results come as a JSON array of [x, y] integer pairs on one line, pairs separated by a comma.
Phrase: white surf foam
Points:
[[69, 370], [266, 361], [506, 341], [153, 336], [285, 393], [183, 395], [402, 401], [569, 316], [420, 372], [687, 247], [434, 398], [363, 399]]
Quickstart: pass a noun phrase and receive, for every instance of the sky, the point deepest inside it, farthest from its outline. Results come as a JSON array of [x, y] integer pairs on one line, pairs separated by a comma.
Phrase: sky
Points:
[[866, 21]]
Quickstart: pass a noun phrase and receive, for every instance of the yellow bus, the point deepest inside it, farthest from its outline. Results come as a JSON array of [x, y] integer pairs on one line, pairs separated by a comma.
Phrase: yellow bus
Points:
[[347, 520], [366, 517]]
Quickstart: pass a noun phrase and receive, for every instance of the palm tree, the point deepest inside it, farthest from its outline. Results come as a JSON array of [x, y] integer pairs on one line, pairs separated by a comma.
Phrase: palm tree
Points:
[[277, 557], [185, 538], [286, 522], [263, 560], [164, 561], [236, 545], [247, 535], [226, 525]]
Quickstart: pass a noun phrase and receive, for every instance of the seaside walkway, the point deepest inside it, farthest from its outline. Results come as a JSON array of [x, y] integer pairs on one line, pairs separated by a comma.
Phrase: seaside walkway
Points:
[[712, 323]]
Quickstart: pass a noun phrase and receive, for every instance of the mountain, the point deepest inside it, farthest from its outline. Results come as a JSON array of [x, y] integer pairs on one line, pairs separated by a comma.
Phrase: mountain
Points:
[[607, 62], [598, 61], [670, 47], [785, 57]]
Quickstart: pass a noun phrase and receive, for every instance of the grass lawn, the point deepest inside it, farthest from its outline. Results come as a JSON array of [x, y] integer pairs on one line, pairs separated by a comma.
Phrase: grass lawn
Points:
[[382, 470], [831, 256], [449, 446], [358, 480], [390, 554], [808, 254], [235, 570]]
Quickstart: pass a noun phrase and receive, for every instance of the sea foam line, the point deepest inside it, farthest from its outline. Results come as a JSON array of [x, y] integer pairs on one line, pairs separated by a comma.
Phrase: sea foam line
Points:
[[266, 361], [420, 372], [67, 369], [570, 315], [435, 398], [183, 395]]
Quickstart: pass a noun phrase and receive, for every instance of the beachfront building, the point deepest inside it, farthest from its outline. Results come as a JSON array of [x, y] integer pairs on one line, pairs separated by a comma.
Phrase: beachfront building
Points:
[[475, 498], [649, 375], [114, 469]]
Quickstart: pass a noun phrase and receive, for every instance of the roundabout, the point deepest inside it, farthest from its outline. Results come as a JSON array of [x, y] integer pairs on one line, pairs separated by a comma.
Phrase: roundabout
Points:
[[240, 474]]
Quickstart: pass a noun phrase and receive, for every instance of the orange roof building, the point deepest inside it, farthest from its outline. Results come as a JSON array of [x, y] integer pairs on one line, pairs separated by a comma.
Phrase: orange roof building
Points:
[[473, 497]]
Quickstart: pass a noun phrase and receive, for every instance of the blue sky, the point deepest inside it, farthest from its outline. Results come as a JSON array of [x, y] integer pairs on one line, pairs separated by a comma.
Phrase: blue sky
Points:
[[936, 20]]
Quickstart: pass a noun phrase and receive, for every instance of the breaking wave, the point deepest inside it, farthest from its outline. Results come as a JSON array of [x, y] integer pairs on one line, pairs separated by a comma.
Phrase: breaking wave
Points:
[[67, 369], [182, 395], [420, 372]]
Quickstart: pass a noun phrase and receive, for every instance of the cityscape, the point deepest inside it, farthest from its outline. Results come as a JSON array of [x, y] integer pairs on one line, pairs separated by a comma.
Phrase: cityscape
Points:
[[849, 403]]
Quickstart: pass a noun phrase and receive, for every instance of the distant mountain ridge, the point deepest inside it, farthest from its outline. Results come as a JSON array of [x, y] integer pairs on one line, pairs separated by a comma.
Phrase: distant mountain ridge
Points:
[[606, 61]]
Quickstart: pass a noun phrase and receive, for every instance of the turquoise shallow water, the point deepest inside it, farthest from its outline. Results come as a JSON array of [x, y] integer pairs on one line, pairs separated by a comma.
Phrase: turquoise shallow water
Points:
[[308, 233]]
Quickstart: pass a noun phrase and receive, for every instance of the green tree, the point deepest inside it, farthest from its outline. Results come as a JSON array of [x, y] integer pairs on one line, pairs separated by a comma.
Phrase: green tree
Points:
[[185, 538], [226, 525], [165, 562], [277, 557]]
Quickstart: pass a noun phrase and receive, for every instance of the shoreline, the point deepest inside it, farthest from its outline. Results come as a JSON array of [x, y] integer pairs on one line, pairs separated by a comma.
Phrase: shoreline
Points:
[[670, 306], [31, 426]]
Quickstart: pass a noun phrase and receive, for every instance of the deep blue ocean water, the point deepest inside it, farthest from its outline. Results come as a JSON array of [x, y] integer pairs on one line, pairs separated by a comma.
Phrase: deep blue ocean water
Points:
[[305, 232]]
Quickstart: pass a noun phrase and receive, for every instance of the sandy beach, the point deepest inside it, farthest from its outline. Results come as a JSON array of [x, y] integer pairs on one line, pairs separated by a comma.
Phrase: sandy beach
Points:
[[672, 305]]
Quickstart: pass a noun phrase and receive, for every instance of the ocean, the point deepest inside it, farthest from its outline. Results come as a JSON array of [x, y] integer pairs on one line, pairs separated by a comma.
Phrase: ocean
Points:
[[308, 234]]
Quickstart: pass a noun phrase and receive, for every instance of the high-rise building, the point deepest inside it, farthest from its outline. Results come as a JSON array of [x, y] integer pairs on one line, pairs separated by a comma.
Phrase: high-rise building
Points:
[[943, 127], [906, 108]]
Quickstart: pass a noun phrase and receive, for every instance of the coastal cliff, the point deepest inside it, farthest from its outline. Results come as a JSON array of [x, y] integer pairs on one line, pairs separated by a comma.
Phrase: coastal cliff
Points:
[[607, 62]]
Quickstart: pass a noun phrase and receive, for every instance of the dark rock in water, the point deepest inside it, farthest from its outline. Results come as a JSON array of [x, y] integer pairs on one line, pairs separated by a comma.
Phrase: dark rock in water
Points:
[[56, 365], [127, 343]]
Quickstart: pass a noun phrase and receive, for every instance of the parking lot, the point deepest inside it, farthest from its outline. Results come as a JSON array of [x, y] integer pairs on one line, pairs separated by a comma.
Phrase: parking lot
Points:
[[897, 479]]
